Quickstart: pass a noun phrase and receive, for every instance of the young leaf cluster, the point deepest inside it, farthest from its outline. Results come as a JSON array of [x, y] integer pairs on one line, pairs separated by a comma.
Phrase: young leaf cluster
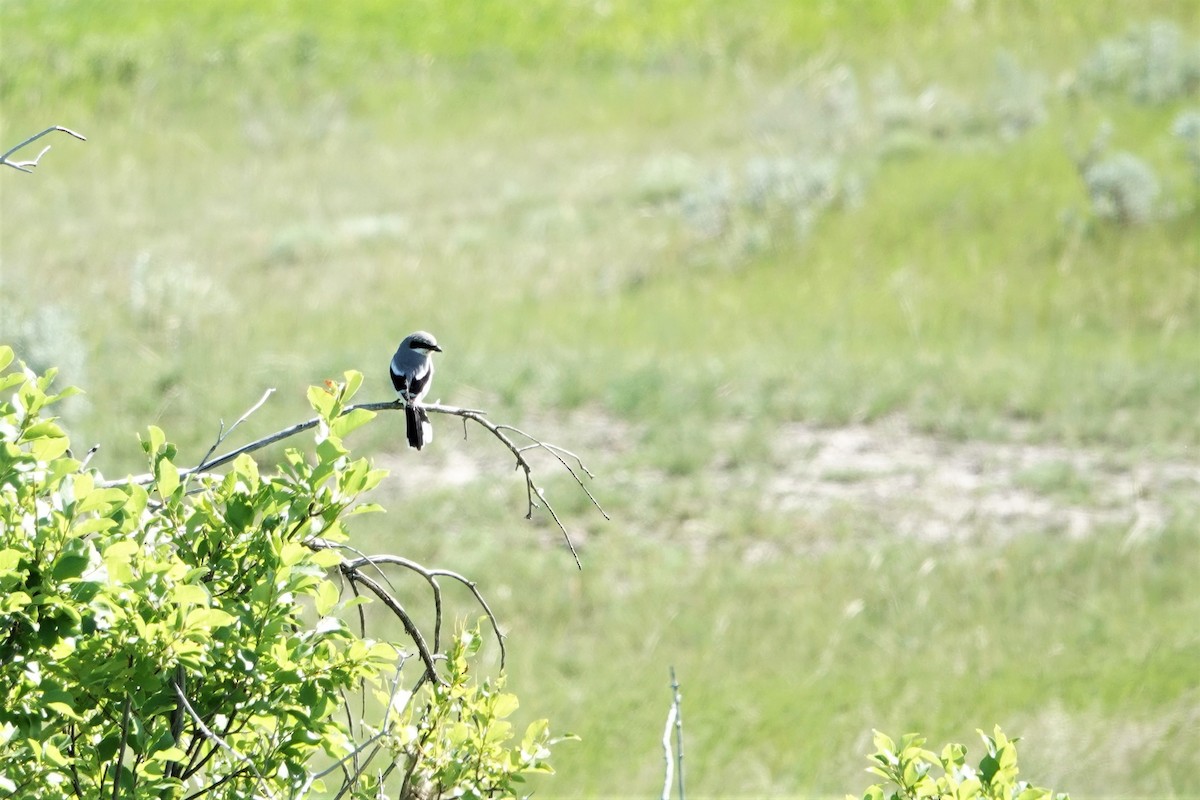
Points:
[[911, 772]]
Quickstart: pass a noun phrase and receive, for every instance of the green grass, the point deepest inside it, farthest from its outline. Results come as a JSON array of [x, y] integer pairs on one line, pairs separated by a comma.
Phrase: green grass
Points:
[[274, 193]]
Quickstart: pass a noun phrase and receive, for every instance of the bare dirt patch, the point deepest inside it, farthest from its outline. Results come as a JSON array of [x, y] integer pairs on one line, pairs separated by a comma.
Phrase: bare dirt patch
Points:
[[909, 482], [936, 489]]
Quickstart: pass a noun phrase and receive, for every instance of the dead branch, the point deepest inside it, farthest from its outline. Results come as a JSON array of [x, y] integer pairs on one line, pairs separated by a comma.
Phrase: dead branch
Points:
[[431, 576], [535, 494], [27, 166], [356, 576], [674, 720], [213, 737]]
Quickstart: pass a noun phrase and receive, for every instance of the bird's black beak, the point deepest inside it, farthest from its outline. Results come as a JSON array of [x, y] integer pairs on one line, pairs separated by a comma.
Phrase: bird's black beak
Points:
[[435, 347]]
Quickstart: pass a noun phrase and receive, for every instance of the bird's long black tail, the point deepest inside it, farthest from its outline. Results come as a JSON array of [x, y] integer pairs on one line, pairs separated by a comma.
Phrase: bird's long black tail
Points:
[[420, 432]]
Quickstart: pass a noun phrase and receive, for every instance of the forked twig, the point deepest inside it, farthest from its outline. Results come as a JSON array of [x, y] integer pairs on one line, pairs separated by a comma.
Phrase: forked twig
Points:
[[27, 166], [355, 575], [213, 737], [431, 576], [500, 431], [223, 434]]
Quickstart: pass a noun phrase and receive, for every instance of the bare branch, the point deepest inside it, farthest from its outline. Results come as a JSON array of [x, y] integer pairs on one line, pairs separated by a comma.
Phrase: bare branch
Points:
[[668, 759], [535, 494], [223, 434], [354, 755], [677, 705], [27, 166], [531, 487], [431, 576], [217, 739], [356, 576]]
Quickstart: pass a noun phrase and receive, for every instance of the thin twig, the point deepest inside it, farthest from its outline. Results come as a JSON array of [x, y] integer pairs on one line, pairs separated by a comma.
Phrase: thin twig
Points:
[[87, 458], [531, 487], [410, 627], [217, 739], [668, 760], [500, 431], [27, 166], [431, 576], [383, 731], [121, 747], [223, 434], [350, 780], [677, 704]]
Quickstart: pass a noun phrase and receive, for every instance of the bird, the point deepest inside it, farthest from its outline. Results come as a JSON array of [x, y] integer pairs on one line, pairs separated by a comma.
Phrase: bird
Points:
[[412, 370]]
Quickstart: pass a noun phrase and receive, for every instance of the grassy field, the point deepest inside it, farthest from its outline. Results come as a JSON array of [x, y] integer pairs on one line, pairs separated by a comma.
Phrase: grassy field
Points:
[[705, 248]]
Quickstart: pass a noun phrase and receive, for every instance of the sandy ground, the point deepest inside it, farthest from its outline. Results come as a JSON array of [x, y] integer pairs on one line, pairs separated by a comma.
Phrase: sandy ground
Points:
[[913, 483]]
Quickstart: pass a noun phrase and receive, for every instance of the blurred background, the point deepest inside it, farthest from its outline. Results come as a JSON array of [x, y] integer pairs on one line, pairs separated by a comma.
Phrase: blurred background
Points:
[[878, 322]]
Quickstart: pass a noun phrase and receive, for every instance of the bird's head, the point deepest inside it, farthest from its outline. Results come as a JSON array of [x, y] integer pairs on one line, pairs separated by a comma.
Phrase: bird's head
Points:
[[422, 341]]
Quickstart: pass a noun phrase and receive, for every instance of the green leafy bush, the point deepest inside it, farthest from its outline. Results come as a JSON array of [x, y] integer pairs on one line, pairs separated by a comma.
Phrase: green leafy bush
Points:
[[915, 772], [180, 634]]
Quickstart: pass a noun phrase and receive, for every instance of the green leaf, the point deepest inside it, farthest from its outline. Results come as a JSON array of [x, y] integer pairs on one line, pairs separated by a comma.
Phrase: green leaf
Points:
[[322, 400], [292, 553], [190, 594], [11, 379], [354, 380], [46, 429], [954, 754], [48, 449], [326, 558], [70, 565], [168, 754], [350, 421], [208, 618], [327, 597], [121, 551], [93, 525], [9, 559], [166, 477], [988, 767], [6, 356], [155, 441], [99, 499], [505, 704], [53, 755], [63, 710]]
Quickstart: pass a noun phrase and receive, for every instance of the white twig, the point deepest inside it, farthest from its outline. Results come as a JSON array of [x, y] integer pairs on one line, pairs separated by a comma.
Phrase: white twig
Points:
[[382, 732], [213, 737], [27, 166], [223, 434], [667, 759]]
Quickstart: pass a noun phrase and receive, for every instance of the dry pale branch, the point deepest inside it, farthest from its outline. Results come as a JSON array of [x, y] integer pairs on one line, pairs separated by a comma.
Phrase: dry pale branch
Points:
[[674, 720], [535, 494], [360, 765], [668, 760], [27, 166], [213, 737]]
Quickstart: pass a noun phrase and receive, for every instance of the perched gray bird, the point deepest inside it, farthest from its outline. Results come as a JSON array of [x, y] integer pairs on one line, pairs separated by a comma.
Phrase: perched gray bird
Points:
[[412, 371]]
